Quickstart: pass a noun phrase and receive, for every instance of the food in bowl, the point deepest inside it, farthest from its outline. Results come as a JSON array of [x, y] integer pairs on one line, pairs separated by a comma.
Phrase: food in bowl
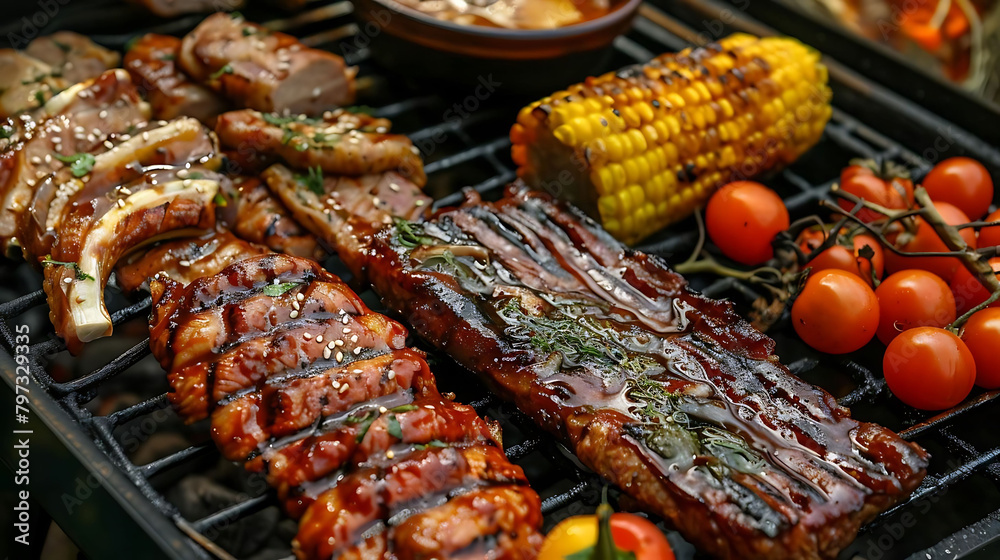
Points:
[[513, 14]]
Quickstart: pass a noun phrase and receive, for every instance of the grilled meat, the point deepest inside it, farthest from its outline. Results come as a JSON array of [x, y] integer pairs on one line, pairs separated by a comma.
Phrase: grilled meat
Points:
[[184, 260], [264, 70], [65, 131], [339, 142], [26, 82], [665, 393], [349, 210], [152, 62], [73, 56], [308, 385], [263, 219]]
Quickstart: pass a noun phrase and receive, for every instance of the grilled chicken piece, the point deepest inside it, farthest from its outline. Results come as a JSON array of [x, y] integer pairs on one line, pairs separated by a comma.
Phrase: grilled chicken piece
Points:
[[73, 56], [97, 231], [346, 210], [174, 8], [184, 260], [26, 82], [174, 143], [665, 393], [308, 385], [265, 70], [263, 219], [340, 142], [152, 62], [65, 131]]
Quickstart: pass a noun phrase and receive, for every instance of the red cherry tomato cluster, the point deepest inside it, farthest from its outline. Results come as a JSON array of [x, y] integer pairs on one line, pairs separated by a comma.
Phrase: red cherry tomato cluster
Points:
[[845, 301]]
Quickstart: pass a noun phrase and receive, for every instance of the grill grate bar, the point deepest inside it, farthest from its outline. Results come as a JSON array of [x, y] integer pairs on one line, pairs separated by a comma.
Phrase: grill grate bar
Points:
[[149, 469], [944, 417], [120, 417], [116, 366], [234, 512], [553, 503]]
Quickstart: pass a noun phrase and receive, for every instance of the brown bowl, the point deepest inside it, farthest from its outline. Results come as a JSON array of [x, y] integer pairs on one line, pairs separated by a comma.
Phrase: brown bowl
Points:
[[518, 61]]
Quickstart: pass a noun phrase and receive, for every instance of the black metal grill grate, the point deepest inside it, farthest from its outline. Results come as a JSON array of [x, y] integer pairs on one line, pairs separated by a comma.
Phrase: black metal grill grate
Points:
[[473, 151]]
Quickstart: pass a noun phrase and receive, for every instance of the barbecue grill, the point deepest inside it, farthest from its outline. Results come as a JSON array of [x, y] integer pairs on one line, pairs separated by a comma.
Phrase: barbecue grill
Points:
[[91, 417]]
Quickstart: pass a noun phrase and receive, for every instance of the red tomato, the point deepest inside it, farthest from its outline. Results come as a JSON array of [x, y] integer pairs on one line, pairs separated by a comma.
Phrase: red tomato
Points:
[[631, 533], [969, 292], [742, 219], [841, 258], [990, 236], [913, 298], [836, 312], [981, 333], [810, 239], [926, 239], [963, 182], [873, 189], [929, 368]]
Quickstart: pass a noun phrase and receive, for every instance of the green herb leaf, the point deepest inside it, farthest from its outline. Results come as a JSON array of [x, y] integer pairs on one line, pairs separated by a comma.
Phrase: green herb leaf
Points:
[[437, 443], [393, 427], [220, 200], [167, 56], [404, 408], [410, 234], [80, 275], [79, 164], [313, 181], [278, 120], [6, 131], [227, 69], [301, 146], [196, 175], [361, 110], [363, 423], [275, 290], [40, 97], [248, 31]]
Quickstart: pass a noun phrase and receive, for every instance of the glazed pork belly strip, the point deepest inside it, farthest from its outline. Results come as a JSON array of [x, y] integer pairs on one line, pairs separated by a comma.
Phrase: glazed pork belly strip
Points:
[[265, 70], [665, 393], [304, 383]]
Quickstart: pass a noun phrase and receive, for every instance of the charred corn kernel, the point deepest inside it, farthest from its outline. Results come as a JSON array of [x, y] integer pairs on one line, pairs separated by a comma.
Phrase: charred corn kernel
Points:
[[655, 141]]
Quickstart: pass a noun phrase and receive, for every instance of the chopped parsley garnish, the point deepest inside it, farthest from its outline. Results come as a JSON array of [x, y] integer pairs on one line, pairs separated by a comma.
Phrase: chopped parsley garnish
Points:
[[404, 408], [275, 290], [6, 131], [313, 181], [301, 146], [80, 275], [40, 97], [248, 31], [278, 120], [220, 200], [363, 422], [167, 56], [227, 69], [79, 164], [393, 427], [410, 234], [196, 175]]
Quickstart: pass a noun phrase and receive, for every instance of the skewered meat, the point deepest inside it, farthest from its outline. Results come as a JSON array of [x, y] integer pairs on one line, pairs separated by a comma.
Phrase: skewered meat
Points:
[[73, 56], [349, 210], [152, 62], [184, 260], [265, 70], [26, 82], [308, 385], [340, 142], [664, 392], [97, 231], [173, 8], [149, 145], [263, 219], [64, 132]]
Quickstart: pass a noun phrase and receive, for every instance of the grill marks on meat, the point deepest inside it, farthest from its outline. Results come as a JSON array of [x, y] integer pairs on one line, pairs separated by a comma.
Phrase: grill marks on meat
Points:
[[263, 219], [152, 62], [339, 142], [665, 393], [307, 385], [73, 56], [77, 121], [265, 70]]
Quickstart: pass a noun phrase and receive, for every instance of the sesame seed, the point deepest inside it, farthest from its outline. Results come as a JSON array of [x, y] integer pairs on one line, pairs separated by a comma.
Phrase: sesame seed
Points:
[[67, 280], [326, 353], [392, 374], [344, 388], [354, 338], [346, 319], [356, 371], [338, 342], [331, 345], [300, 297], [102, 115], [183, 174], [48, 158], [418, 203], [336, 384], [347, 330], [357, 350], [377, 201], [389, 454], [295, 305], [319, 338], [36, 160], [145, 137], [184, 263], [308, 336], [108, 144], [340, 357], [394, 187], [293, 314], [429, 407], [125, 191], [121, 203]]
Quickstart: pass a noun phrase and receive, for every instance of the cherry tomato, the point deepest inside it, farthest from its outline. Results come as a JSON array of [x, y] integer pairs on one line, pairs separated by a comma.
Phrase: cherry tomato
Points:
[[836, 312], [969, 292], [929, 368], [850, 260], [630, 532], [913, 298], [990, 236], [981, 333], [742, 219], [866, 185], [810, 239], [963, 182], [926, 239]]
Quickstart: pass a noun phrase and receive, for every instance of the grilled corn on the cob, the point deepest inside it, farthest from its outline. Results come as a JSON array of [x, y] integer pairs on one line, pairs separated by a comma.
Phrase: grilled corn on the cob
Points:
[[643, 147]]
